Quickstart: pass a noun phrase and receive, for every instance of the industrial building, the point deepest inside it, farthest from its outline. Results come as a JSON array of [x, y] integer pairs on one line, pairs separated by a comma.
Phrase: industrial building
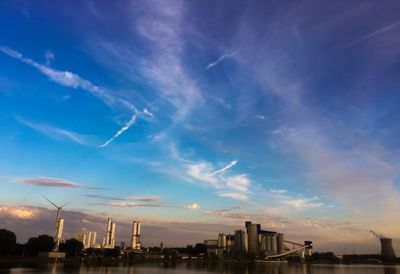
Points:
[[263, 244], [88, 239], [387, 251], [135, 240], [109, 241]]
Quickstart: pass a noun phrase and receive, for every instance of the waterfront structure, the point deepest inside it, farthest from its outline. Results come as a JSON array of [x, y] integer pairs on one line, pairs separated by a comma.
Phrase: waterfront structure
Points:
[[109, 241], [88, 239], [387, 251], [252, 234], [135, 239], [264, 244], [222, 241], [241, 241]]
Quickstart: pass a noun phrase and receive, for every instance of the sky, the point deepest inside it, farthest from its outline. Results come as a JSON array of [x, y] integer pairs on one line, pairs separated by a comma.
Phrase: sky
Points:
[[195, 116]]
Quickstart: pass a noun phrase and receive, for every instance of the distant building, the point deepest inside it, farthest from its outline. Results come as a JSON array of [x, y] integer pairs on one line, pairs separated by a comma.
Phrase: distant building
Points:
[[88, 239], [109, 241], [252, 234], [211, 243], [135, 240], [241, 241]]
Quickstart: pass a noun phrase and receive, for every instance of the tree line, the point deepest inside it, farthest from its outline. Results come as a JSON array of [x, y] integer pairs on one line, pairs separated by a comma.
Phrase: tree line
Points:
[[42, 243]]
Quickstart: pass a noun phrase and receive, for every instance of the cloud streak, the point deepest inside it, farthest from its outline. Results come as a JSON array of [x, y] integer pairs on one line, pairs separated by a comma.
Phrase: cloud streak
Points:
[[52, 182], [130, 123], [375, 33], [222, 58], [72, 80], [64, 78], [225, 168], [153, 198], [55, 132]]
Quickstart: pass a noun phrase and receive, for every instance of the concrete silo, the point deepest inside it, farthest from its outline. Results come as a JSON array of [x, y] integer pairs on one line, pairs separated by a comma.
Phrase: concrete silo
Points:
[[252, 233], [280, 244]]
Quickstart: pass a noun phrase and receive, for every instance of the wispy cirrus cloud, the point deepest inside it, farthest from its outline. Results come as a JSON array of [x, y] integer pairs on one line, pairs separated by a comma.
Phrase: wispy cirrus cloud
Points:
[[150, 198], [65, 78], [231, 186], [374, 33], [234, 195], [304, 203], [72, 80], [222, 58], [130, 204], [161, 28], [55, 132], [130, 123], [49, 57], [225, 168], [52, 182]]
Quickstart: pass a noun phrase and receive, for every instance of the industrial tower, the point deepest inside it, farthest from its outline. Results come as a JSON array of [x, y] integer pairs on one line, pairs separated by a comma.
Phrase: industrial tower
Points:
[[59, 224], [135, 242], [110, 235], [387, 251]]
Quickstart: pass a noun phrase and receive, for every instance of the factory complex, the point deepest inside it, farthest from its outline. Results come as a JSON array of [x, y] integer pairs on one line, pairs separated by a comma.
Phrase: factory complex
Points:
[[256, 242], [88, 238]]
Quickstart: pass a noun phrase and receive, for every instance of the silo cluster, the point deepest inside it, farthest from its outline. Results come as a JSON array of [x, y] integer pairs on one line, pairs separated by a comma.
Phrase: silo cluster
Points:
[[252, 240]]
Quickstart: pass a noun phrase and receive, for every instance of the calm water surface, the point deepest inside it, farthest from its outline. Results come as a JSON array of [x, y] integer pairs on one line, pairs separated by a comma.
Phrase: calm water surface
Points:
[[203, 268]]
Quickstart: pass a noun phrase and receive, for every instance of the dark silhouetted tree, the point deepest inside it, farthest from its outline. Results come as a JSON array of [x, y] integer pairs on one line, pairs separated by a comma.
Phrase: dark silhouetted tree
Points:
[[8, 242], [71, 247], [43, 243], [200, 249]]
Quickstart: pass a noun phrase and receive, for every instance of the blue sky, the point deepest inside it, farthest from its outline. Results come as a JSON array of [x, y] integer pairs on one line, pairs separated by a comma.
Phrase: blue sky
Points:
[[206, 113]]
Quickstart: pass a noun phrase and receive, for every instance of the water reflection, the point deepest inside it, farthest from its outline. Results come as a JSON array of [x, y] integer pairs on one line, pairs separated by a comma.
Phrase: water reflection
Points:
[[390, 270], [199, 268]]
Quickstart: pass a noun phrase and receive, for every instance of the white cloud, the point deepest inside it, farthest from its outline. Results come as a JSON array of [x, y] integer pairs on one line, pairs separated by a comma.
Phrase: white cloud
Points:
[[375, 33], [18, 212], [52, 182], [193, 206], [200, 171], [49, 57], [72, 80], [261, 117], [239, 183], [278, 191], [130, 204], [225, 168], [161, 27], [233, 186], [65, 78], [221, 58], [130, 123], [234, 195], [303, 203], [54, 132]]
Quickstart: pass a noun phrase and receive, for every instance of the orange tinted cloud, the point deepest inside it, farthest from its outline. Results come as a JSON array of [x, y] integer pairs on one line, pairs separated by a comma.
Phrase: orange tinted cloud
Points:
[[18, 212]]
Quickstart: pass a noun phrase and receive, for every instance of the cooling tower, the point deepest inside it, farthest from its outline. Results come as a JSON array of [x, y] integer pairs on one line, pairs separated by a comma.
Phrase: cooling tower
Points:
[[387, 251]]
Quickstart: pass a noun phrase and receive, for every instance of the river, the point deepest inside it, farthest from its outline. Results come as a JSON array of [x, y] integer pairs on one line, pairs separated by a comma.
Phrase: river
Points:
[[204, 268]]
